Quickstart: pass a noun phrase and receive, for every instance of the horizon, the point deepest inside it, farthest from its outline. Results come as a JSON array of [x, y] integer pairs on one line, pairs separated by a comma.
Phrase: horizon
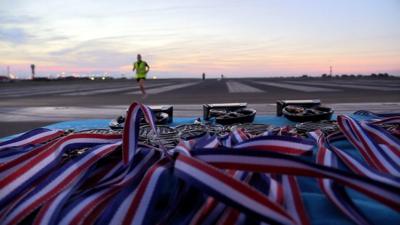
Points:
[[177, 39]]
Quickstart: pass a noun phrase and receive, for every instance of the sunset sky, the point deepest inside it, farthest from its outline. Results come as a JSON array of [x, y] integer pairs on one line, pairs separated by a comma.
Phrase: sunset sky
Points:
[[186, 38]]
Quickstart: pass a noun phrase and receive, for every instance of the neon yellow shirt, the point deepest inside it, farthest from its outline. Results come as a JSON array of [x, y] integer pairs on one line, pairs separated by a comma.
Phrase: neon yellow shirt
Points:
[[140, 69]]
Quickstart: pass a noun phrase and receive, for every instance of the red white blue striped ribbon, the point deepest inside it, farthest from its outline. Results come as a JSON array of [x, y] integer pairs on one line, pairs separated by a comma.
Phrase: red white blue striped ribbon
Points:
[[230, 191], [137, 204], [229, 217], [77, 213], [293, 200], [370, 150], [58, 181], [270, 162], [35, 136], [280, 144], [83, 206], [12, 153], [212, 209], [142, 161], [275, 191], [358, 167], [18, 162], [232, 215], [131, 129], [210, 205], [335, 192], [50, 210], [53, 212], [16, 182], [238, 136], [205, 141], [388, 143]]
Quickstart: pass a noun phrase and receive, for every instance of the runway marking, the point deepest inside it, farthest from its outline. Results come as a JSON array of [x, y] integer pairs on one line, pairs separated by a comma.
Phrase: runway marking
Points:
[[73, 90], [101, 91], [369, 83], [46, 90], [236, 87], [354, 86], [165, 88], [297, 87], [32, 91], [111, 90]]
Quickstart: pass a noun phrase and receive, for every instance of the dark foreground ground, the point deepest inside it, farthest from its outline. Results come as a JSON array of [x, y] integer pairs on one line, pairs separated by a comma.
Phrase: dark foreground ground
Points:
[[26, 105]]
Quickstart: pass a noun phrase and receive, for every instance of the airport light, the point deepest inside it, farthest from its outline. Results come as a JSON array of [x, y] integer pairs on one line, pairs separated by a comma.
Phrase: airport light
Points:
[[154, 77]]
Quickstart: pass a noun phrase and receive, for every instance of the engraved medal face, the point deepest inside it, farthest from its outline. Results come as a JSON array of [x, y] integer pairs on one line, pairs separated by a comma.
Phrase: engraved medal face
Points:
[[254, 129], [326, 126]]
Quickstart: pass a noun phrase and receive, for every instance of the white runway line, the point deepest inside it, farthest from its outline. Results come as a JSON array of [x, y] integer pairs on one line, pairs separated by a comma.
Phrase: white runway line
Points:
[[102, 91], [146, 87], [165, 88], [53, 90], [236, 87], [297, 87], [111, 90], [41, 90], [393, 83], [52, 114], [72, 90], [353, 86]]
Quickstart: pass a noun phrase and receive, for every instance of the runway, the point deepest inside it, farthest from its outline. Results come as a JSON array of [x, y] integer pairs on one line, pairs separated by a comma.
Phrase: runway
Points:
[[24, 105]]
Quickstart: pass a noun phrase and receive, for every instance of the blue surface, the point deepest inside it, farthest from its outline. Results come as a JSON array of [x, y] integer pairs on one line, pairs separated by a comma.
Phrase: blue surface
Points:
[[320, 210]]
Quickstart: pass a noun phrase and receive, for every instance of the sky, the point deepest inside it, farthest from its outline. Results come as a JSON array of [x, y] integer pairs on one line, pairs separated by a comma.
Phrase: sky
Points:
[[186, 38]]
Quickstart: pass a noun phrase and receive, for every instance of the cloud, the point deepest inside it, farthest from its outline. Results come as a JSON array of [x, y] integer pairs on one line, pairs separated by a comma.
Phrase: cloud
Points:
[[14, 19], [14, 35]]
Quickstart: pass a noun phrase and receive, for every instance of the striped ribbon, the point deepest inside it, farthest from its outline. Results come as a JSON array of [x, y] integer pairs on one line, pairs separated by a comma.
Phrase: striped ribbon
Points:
[[51, 209], [58, 181], [212, 209], [369, 149], [271, 162], [84, 204], [230, 191], [357, 166], [279, 144], [335, 192], [14, 183], [142, 197], [18, 162], [131, 129], [232, 215], [293, 200], [32, 137], [388, 143], [126, 185]]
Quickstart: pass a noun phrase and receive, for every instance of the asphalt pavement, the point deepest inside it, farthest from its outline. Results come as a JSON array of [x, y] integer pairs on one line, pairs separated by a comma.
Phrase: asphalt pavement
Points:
[[28, 104]]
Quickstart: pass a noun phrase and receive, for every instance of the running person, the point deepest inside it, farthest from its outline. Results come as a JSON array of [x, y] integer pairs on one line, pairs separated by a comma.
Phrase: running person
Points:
[[142, 68]]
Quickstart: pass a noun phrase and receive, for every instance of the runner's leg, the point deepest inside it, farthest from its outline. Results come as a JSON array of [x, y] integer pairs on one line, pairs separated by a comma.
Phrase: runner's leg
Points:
[[141, 84]]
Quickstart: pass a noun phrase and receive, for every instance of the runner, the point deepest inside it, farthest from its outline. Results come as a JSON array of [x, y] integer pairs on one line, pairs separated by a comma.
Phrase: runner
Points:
[[142, 68]]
